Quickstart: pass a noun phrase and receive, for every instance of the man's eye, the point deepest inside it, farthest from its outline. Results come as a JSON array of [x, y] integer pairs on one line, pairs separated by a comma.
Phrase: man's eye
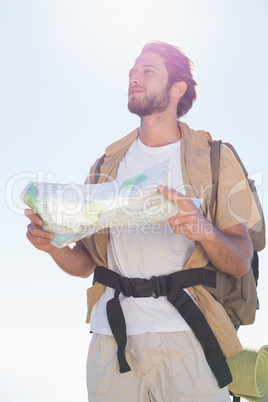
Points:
[[147, 70]]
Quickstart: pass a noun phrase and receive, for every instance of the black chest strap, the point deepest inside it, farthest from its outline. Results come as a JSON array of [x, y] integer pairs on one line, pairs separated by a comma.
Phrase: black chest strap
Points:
[[172, 286]]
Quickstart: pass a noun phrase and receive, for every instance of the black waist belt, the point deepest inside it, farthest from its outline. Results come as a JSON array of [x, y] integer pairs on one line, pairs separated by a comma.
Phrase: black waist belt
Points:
[[171, 286]]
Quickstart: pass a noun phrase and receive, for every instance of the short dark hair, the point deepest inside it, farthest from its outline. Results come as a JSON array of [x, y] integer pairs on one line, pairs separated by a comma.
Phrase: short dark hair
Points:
[[180, 68]]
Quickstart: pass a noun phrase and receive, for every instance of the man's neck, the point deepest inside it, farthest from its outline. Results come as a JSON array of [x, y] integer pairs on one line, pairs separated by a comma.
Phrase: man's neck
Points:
[[159, 130]]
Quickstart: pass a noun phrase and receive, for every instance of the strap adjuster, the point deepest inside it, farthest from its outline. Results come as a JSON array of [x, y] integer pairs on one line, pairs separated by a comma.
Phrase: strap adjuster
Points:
[[157, 285]]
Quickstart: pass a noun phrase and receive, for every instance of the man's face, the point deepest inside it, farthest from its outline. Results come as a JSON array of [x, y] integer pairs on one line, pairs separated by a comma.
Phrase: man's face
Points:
[[149, 89]]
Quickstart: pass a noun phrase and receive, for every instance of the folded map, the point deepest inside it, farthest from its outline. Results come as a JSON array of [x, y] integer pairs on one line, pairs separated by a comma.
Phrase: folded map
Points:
[[72, 212]]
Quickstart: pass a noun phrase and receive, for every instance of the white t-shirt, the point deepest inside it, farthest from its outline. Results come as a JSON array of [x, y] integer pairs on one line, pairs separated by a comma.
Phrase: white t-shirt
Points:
[[143, 252]]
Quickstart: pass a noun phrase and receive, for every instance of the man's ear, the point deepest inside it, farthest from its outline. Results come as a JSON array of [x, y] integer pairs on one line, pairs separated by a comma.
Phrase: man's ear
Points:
[[179, 89]]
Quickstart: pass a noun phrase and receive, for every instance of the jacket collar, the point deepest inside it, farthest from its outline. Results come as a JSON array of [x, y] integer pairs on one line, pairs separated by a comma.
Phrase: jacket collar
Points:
[[198, 137]]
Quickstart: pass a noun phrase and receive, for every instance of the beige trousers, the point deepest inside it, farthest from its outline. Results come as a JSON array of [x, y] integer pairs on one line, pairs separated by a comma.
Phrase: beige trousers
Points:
[[165, 367]]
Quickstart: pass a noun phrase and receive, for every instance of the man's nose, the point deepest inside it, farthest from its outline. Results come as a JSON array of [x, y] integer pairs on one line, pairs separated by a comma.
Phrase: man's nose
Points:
[[134, 78]]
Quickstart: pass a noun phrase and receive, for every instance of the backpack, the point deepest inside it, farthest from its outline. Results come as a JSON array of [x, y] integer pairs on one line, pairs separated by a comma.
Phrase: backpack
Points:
[[237, 295]]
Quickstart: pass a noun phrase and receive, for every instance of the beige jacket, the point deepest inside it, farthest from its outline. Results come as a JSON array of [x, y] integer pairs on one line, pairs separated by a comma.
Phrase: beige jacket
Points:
[[233, 191]]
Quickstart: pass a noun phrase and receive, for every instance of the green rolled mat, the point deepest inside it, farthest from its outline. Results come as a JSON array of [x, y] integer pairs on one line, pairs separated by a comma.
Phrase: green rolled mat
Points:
[[249, 369]]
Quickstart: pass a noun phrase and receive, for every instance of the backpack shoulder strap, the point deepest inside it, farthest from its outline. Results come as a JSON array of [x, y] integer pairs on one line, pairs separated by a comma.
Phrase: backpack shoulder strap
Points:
[[215, 149], [97, 168]]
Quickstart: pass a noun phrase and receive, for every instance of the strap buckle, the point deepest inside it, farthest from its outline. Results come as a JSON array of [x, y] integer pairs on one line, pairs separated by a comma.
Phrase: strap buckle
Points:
[[139, 287]]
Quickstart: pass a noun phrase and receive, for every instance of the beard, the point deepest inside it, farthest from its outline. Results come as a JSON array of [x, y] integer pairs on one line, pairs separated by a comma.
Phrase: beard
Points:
[[150, 104]]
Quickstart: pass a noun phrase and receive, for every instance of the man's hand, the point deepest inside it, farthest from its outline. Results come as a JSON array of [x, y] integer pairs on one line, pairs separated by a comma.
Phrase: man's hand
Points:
[[189, 221], [36, 235], [229, 250], [74, 260]]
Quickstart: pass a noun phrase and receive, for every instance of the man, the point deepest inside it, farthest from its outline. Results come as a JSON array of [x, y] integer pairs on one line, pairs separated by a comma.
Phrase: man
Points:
[[164, 357]]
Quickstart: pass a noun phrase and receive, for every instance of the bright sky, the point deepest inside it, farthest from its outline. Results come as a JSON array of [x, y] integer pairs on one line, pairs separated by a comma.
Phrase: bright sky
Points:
[[63, 77]]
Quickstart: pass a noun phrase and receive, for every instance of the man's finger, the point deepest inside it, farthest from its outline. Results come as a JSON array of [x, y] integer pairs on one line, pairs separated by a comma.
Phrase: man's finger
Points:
[[34, 218], [37, 240], [171, 194], [39, 243], [36, 232], [185, 204]]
